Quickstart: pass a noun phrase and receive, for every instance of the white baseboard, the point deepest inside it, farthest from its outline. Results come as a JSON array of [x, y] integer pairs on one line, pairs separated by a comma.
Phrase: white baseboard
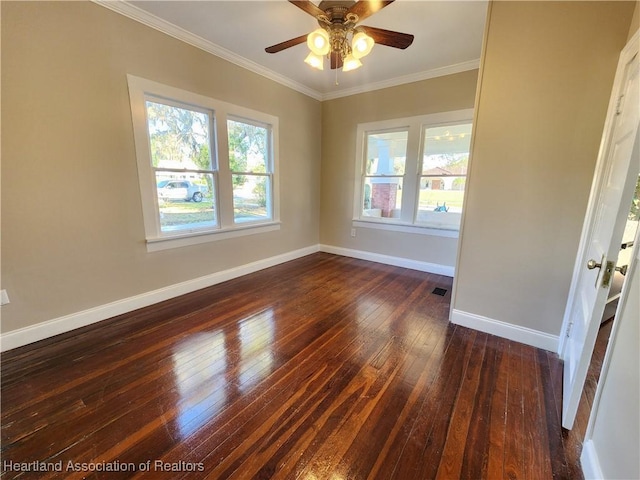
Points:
[[590, 463], [56, 326], [509, 331], [40, 331], [389, 260]]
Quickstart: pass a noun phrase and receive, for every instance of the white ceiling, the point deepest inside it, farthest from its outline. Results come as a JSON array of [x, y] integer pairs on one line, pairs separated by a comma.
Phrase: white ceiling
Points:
[[448, 38]]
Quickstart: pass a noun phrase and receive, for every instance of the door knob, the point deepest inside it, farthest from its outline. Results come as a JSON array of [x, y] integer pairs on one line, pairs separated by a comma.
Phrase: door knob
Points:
[[622, 269], [609, 268], [591, 264]]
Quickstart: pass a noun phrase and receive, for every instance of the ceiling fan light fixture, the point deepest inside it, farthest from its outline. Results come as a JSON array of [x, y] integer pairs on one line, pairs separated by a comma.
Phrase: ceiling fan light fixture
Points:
[[315, 61], [361, 44], [351, 63], [318, 42], [339, 38]]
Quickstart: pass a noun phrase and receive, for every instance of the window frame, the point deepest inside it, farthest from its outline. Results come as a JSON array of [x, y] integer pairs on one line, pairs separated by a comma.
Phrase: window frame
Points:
[[269, 174], [213, 171], [141, 90], [416, 127], [368, 176]]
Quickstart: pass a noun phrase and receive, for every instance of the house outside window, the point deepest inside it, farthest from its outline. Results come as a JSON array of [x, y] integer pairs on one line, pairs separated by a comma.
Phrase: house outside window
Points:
[[194, 187], [413, 172], [384, 172], [445, 158]]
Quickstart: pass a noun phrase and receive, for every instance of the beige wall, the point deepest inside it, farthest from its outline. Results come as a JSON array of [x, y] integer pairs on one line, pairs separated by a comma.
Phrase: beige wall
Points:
[[340, 118], [546, 79], [635, 21], [72, 227]]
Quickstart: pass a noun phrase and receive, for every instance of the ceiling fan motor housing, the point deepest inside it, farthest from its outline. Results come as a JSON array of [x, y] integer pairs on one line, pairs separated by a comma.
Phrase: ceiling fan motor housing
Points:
[[338, 14]]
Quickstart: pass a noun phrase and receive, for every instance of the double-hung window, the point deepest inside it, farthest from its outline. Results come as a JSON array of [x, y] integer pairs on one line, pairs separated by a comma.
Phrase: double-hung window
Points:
[[251, 169], [384, 172], [181, 147], [413, 172], [206, 168]]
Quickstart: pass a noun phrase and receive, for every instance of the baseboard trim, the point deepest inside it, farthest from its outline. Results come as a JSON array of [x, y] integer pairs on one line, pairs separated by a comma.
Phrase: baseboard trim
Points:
[[589, 461], [390, 260], [509, 331], [56, 326]]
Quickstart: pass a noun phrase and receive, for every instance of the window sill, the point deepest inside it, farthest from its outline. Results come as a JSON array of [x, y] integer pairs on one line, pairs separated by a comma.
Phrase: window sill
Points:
[[407, 228], [196, 238]]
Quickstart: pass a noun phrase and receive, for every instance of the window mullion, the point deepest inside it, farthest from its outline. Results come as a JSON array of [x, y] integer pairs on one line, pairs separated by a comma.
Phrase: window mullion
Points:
[[410, 192], [225, 173]]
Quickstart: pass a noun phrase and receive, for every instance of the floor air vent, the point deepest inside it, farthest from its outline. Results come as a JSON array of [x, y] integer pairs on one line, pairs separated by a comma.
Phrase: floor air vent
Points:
[[439, 291]]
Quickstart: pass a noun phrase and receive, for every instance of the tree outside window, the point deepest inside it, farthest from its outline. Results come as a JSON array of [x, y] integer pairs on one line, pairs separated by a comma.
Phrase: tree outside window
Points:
[[179, 140], [250, 165]]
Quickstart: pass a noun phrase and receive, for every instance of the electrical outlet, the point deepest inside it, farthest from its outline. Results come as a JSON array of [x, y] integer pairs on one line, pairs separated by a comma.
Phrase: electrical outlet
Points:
[[4, 297], [353, 232]]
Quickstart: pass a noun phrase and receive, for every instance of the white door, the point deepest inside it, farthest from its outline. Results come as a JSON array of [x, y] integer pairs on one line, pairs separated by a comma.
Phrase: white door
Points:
[[616, 175]]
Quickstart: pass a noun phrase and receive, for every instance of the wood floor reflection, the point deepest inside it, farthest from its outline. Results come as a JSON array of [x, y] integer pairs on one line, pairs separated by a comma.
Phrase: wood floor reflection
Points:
[[325, 367]]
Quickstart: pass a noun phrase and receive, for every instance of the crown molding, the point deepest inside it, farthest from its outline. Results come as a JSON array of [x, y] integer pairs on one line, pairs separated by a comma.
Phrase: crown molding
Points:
[[402, 80], [131, 11]]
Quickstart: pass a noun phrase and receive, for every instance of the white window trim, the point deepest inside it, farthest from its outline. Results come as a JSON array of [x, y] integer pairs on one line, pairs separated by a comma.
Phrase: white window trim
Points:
[[270, 165], [139, 88], [415, 126], [415, 228]]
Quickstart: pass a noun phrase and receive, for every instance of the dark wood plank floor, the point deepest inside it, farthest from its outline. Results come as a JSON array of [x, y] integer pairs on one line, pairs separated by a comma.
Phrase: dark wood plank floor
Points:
[[321, 368]]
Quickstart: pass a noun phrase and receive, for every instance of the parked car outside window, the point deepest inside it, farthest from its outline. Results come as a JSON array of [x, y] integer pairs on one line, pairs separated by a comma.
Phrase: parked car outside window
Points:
[[181, 190]]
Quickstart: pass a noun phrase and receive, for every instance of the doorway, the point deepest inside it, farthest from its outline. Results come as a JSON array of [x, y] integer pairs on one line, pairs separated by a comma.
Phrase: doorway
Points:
[[575, 437], [613, 187], [624, 258]]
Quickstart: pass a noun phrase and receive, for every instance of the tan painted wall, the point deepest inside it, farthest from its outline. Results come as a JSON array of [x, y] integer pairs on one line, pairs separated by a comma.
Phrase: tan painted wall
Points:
[[547, 76], [72, 228], [340, 118], [635, 21]]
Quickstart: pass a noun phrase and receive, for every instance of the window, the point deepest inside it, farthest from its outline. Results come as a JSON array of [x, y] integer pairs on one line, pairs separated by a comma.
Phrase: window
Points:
[[444, 171], [193, 188], [251, 170], [180, 144], [413, 172], [384, 171]]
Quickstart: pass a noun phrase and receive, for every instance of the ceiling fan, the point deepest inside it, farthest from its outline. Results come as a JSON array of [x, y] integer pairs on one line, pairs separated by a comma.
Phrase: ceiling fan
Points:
[[339, 37]]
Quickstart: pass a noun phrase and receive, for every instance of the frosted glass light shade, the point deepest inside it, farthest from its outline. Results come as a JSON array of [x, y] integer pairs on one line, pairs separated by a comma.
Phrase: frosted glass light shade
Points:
[[315, 61], [318, 42], [351, 63], [361, 45]]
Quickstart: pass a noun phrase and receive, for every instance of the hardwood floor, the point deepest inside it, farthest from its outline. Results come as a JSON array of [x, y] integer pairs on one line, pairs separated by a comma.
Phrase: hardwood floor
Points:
[[322, 368]]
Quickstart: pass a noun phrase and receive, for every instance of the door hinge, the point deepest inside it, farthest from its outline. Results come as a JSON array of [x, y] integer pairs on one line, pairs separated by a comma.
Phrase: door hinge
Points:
[[619, 105], [569, 329]]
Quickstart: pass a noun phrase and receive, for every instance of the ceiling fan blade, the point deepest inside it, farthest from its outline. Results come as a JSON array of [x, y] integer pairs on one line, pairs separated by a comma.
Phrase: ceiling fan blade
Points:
[[366, 8], [389, 37], [289, 43], [308, 7], [336, 60]]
